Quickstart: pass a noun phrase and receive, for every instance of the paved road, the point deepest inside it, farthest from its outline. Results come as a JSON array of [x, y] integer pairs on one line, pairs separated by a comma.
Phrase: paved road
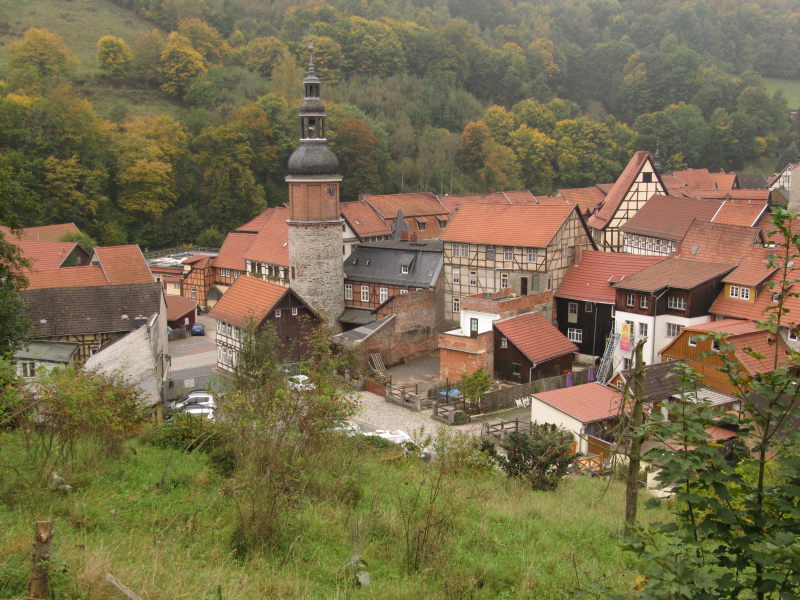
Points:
[[195, 354]]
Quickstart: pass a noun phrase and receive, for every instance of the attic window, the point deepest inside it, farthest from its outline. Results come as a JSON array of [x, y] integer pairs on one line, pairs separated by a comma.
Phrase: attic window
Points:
[[647, 177], [695, 249], [404, 269], [366, 262], [357, 222]]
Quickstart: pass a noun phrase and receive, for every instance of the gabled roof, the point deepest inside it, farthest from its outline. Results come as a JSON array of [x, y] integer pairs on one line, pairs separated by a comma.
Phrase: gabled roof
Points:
[[586, 197], [44, 255], [703, 179], [59, 311], [591, 277], [742, 195], [620, 189], [248, 300], [271, 243], [198, 261], [234, 248], [718, 241], [44, 233], [660, 381], [413, 204], [669, 217], [535, 337], [364, 220], [586, 403], [740, 212], [752, 270], [89, 275], [382, 262], [526, 225], [178, 306], [727, 326], [675, 272], [726, 306], [255, 224], [122, 265], [454, 203]]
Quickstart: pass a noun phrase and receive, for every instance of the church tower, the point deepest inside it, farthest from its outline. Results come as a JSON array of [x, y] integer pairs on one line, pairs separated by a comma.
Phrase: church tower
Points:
[[315, 225]]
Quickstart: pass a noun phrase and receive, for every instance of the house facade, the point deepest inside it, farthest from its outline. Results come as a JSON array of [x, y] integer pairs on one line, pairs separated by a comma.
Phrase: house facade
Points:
[[198, 277], [526, 248]]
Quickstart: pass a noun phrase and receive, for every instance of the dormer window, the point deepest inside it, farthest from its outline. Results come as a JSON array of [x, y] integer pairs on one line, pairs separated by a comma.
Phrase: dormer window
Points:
[[741, 292], [404, 269]]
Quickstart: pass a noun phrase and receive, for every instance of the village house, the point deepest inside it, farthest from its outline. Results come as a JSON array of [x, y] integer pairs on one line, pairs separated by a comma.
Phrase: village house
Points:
[[267, 257], [585, 300], [198, 277], [36, 358], [526, 248], [637, 183], [253, 302], [528, 347], [170, 278], [454, 203]]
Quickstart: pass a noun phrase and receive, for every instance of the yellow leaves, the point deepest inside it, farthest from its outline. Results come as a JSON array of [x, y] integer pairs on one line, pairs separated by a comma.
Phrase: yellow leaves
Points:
[[44, 54], [20, 99], [181, 64], [147, 187], [113, 56]]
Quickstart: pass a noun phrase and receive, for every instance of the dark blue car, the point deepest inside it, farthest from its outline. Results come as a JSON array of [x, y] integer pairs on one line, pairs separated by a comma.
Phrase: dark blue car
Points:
[[198, 329]]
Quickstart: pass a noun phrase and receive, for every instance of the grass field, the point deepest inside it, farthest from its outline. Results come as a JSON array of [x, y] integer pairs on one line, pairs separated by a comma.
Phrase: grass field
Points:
[[161, 522], [790, 87], [80, 22]]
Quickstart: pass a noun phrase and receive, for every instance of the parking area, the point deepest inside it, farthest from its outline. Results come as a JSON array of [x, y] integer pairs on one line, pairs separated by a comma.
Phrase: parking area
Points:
[[422, 371], [194, 357]]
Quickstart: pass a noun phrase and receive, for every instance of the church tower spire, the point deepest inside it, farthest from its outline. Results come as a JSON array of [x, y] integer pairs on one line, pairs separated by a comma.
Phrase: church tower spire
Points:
[[315, 226]]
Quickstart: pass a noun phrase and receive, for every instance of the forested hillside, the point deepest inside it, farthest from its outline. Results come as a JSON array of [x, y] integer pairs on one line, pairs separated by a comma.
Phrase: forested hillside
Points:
[[170, 121]]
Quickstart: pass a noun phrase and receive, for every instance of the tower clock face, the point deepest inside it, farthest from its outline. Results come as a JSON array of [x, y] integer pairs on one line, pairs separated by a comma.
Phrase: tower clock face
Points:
[[331, 191]]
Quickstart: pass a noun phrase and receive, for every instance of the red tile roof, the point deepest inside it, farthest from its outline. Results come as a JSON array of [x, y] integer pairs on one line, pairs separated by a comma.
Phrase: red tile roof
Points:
[[271, 244], [669, 217], [729, 326], [586, 403], [744, 309], [413, 204], [586, 198], [739, 212], [675, 272], [454, 203], [44, 255], [255, 224], [198, 261], [249, 300], [234, 248], [753, 195], [591, 276], [123, 264], [178, 306], [364, 219], [621, 187], [89, 275], [508, 225], [44, 233], [718, 241], [535, 337], [753, 269]]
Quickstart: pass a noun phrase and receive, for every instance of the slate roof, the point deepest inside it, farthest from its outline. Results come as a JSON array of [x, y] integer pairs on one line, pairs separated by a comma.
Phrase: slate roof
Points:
[[586, 403], [740, 212], [620, 189], [123, 264], [234, 248], [364, 220], [44, 233], [591, 277], [752, 181], [178, 306], [718, 241], [525, 225], [95, 309], [248, 299], [535, 337], [675, 272], [271, 243], [669, 217], [381, 262], [60, 352]]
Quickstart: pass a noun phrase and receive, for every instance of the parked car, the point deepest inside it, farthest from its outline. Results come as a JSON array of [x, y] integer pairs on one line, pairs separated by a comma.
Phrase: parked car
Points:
[[300, 383], [347, 427], [200, 399], [402, 439], [198, 329], [200, 411]]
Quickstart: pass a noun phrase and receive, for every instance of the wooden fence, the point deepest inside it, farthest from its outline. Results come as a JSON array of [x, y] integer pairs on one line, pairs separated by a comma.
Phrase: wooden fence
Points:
[[500, 429], [407, 397]]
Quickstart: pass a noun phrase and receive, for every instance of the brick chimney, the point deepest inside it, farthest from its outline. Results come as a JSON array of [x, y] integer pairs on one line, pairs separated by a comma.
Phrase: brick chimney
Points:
[[404, 235], [578, 256], [413, 237]]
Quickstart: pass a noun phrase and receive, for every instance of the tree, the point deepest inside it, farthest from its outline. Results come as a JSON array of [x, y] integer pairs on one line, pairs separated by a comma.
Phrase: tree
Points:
[[474, 139], [180, 65], [204, 39], [114, 58], [72, 192], [263, 53], [360, 156], [499, 121], [42, 55], [475, 384], [534, 153], [86, 241], [584, 152], [534, 115], [146, 56]]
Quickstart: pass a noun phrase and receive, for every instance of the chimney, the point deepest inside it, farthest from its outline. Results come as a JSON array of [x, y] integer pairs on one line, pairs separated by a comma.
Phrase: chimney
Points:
[[404, 235], [578, 256], [413, 237]]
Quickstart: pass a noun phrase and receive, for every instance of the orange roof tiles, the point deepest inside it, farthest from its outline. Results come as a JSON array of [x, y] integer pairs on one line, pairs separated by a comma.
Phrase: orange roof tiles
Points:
[[413, 204], [752, 270], [123, 264], [234, 248], [178, 306], [89, 275], [249, 300], [198, 261], [364, 220], [617, 193], [44, 255], [747, 214], [675, 272], [454, 203], [271, 244], [526, 225], [44, 233], [726, 306], [718, 241], [535, 337], [255, 224], [586, 198], [728, 326], [591, 276], [753, 195], [669, 217], [586, 403]]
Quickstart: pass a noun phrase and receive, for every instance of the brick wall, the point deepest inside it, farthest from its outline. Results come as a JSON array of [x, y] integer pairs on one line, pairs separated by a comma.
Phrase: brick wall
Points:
[[412, 331], [459, 355], [502, 304]]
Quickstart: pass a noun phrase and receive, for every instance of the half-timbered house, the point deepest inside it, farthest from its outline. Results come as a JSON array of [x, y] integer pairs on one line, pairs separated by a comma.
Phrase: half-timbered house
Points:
[[526, 248], [637, 183], [252, 302], [198, 277]]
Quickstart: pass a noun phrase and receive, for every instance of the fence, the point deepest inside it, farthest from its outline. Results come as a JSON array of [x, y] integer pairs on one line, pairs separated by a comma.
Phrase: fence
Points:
[[500, 429], [403, 396]]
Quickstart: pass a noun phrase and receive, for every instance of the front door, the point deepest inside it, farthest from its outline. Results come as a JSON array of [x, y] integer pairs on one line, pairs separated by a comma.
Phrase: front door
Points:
[[523, 286]]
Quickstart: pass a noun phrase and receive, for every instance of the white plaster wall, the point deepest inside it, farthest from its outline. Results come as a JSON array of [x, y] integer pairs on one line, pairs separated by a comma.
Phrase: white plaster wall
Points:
[[661, 338], [485, 320], [542, 412]]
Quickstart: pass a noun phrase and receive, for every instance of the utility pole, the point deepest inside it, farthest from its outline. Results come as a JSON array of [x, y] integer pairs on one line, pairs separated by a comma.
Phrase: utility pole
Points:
[[634, 439]]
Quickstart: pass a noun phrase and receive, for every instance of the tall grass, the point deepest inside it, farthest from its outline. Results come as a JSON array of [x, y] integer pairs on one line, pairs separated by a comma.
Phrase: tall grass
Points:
[[161, 521]]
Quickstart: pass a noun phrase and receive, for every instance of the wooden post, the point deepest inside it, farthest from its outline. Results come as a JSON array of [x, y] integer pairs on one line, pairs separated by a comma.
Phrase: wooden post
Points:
[[632, 483], [42, 537]]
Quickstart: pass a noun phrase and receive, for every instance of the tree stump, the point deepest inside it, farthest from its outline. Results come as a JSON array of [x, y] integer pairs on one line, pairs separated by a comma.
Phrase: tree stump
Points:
[[40, 583]]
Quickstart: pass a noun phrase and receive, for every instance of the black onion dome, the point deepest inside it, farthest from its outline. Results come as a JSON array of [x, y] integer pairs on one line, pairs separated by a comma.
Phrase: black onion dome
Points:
[[313, 158]]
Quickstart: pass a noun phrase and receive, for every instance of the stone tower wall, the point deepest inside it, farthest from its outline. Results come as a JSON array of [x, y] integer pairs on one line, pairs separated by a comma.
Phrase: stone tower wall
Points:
[[316, 267]]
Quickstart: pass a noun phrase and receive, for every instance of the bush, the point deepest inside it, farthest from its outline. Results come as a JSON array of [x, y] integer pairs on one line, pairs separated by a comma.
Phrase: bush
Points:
[[184, 432]]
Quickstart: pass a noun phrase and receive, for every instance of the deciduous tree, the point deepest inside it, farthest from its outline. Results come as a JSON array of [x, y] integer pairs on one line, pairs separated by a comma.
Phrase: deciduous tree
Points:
[[181, 64], [113, 58], [42, 55]]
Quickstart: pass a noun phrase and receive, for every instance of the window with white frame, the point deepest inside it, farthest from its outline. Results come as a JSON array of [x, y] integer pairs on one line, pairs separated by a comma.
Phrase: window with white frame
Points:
[[404, 269], [460, 250], [456, 275], [643, 301], [193, 293], [504, 280], [564, 251], [630, 299], [508, 253], [236, 274], [294, 311], [692, 341], [626, 364], [473, 278], [225, 272], [733, 291], [676, 302], [28, 369], [403, 292], [642, 330], [575, 335], [744, 293], [572, 310], [348, 291], [365, 293], [277, 313], [383, 295], [456, 304], [504, 342], [533, 255], [673, 329]]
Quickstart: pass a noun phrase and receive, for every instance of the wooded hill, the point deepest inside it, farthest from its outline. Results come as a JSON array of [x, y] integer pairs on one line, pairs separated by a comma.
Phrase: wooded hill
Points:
[[175, 124]]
